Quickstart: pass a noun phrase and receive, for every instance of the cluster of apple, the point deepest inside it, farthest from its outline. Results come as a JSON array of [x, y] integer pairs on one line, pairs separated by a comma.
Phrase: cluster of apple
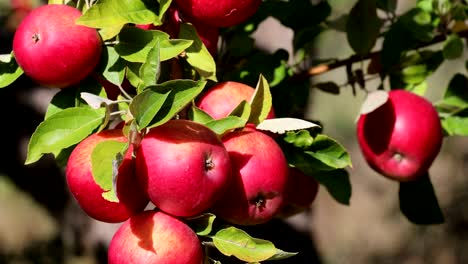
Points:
[[185, 169], [182, 167]]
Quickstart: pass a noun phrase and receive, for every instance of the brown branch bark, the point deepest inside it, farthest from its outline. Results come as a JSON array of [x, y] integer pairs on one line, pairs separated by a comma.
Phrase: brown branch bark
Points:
[[326, 67]]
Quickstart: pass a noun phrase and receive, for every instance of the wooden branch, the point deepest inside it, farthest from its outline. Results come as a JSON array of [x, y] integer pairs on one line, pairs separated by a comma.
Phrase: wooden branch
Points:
[[326, 67]]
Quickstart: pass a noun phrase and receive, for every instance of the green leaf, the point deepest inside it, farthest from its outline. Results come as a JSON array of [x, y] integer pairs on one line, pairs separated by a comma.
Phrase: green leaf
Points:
[[146, 105], [414, 74], [456, 93], [337, 184], [330, 152], [71, 97], [198, 115], [453, 47], [232, 241], [135, 44], [242, 110], [150, 70], [9, 70], [62, 130], [55, 2], [418, 202], [280, 254], [455, 125], [110, 32], [300, 139], [261, 102], [197, 54], [226, 124], [132, 73], [109, 13], [363, 26], [106, 159], [202, 224], [182, 92], [112, 66]]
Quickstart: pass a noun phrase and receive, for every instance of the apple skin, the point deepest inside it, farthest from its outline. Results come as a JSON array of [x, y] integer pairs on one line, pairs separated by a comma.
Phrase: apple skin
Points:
[[219, 13], [53, 50], [183, 166], [401, 138], [88, 193], [256, 190], [154, 237], [220, 99], [301, 191], [209, 35]]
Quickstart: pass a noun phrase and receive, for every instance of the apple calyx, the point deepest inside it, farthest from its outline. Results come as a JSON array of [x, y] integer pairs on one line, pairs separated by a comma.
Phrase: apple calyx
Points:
[[36, 37]]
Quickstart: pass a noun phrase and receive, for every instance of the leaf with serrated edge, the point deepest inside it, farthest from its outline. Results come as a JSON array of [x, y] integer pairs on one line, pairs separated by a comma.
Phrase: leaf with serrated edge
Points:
[[373, 101], [106, 159], [232, 241], [261, 101], [62, 130], [285, 124]]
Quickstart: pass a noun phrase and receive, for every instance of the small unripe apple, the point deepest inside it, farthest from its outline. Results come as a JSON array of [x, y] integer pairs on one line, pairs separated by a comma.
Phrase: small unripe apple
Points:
[[155, 237], [256, 190], [88, 193], [301, 191], [219, 13], [220, 99], [401, 138], [183, 166], [52, 49]]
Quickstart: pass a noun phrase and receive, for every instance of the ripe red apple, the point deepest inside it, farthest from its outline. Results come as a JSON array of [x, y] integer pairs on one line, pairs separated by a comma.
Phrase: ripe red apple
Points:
[[220, 99], [401, 138], [209, 35], [183, 166], [154, 237], [300, 193], [259, 176], [88, 193], [219, 13], [52, 49]]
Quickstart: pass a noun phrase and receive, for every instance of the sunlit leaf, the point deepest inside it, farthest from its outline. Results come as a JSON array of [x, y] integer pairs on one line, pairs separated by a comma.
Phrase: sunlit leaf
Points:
[[9, 70], [62, 130]]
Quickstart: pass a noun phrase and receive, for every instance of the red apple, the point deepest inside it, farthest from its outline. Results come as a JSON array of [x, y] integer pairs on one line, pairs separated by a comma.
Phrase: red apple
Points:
[[219, 13], [52, 49], [259, 175], [209, 35], [88, 193], [183, 166], [220, 99], [154, 237], [401, 138], [300, 193]]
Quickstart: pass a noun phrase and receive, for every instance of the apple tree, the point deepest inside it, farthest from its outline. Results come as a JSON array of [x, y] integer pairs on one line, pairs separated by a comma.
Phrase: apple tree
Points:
[[136, 66]]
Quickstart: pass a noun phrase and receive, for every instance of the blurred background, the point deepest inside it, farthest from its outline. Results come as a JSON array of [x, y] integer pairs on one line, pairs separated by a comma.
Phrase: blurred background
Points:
[[40, 222]]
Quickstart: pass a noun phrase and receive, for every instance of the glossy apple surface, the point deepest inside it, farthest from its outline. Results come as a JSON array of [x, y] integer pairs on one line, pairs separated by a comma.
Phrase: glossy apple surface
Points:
[[259, 176], [219, 100], [401, 138], [183, 166], [154, 237], [88, 193], [52, 49], [219, 13]]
